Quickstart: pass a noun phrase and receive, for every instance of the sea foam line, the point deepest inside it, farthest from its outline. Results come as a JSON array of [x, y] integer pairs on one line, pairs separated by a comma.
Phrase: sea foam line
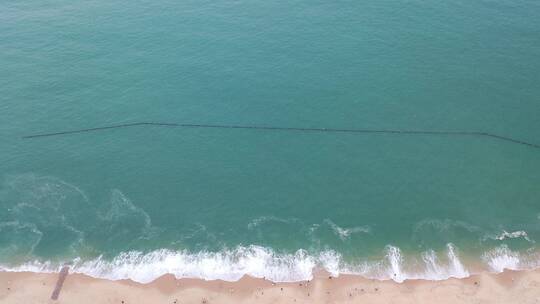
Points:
[[261, 262]]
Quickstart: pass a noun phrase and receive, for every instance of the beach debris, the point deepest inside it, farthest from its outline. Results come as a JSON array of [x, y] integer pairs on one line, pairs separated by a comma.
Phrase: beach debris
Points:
[[204, 301]]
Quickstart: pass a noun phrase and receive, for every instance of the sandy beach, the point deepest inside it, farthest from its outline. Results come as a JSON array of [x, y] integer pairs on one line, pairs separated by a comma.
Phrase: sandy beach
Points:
[[507, 287]]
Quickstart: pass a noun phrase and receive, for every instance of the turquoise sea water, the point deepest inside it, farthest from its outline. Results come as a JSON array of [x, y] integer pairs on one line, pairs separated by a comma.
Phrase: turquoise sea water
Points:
[[142, 201]]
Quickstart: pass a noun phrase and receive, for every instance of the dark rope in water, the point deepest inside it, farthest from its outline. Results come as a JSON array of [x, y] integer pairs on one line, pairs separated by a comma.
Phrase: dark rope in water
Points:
[[327, 130]]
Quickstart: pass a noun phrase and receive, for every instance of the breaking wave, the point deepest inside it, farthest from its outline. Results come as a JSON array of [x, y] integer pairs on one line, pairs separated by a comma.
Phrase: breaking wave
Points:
[[36, 207], [501, 258], [261, 262]]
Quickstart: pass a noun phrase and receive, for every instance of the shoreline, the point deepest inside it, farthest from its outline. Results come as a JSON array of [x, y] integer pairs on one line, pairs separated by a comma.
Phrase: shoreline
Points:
[[507, 287], [261, 262]]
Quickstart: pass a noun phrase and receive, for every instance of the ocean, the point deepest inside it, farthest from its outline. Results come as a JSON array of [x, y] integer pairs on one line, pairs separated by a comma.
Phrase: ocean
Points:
[[264, 170]]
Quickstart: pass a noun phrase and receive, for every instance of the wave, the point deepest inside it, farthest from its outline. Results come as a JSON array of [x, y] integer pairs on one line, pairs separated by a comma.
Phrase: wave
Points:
[[344, 233], [35, 205], [395, 266], [262, 262], [501, 258], [513, 235]]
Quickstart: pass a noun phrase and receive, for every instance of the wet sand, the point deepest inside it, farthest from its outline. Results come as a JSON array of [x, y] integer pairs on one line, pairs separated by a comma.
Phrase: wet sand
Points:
[[507, 287]]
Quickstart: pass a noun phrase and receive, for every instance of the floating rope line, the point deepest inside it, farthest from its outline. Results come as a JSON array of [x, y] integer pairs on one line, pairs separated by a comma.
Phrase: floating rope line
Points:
[[272, 128]]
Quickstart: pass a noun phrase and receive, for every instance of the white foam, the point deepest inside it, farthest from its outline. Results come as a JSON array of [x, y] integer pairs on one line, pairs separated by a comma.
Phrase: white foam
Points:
[[396, 264], [437, 270], [502, 258], [330, 261], [456, 268], [228, 265], [345, 233], [261, 262], [513, 235], [33, 266]]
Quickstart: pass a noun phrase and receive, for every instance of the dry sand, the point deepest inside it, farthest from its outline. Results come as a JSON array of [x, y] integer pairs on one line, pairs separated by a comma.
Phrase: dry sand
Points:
[[508, 287]]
